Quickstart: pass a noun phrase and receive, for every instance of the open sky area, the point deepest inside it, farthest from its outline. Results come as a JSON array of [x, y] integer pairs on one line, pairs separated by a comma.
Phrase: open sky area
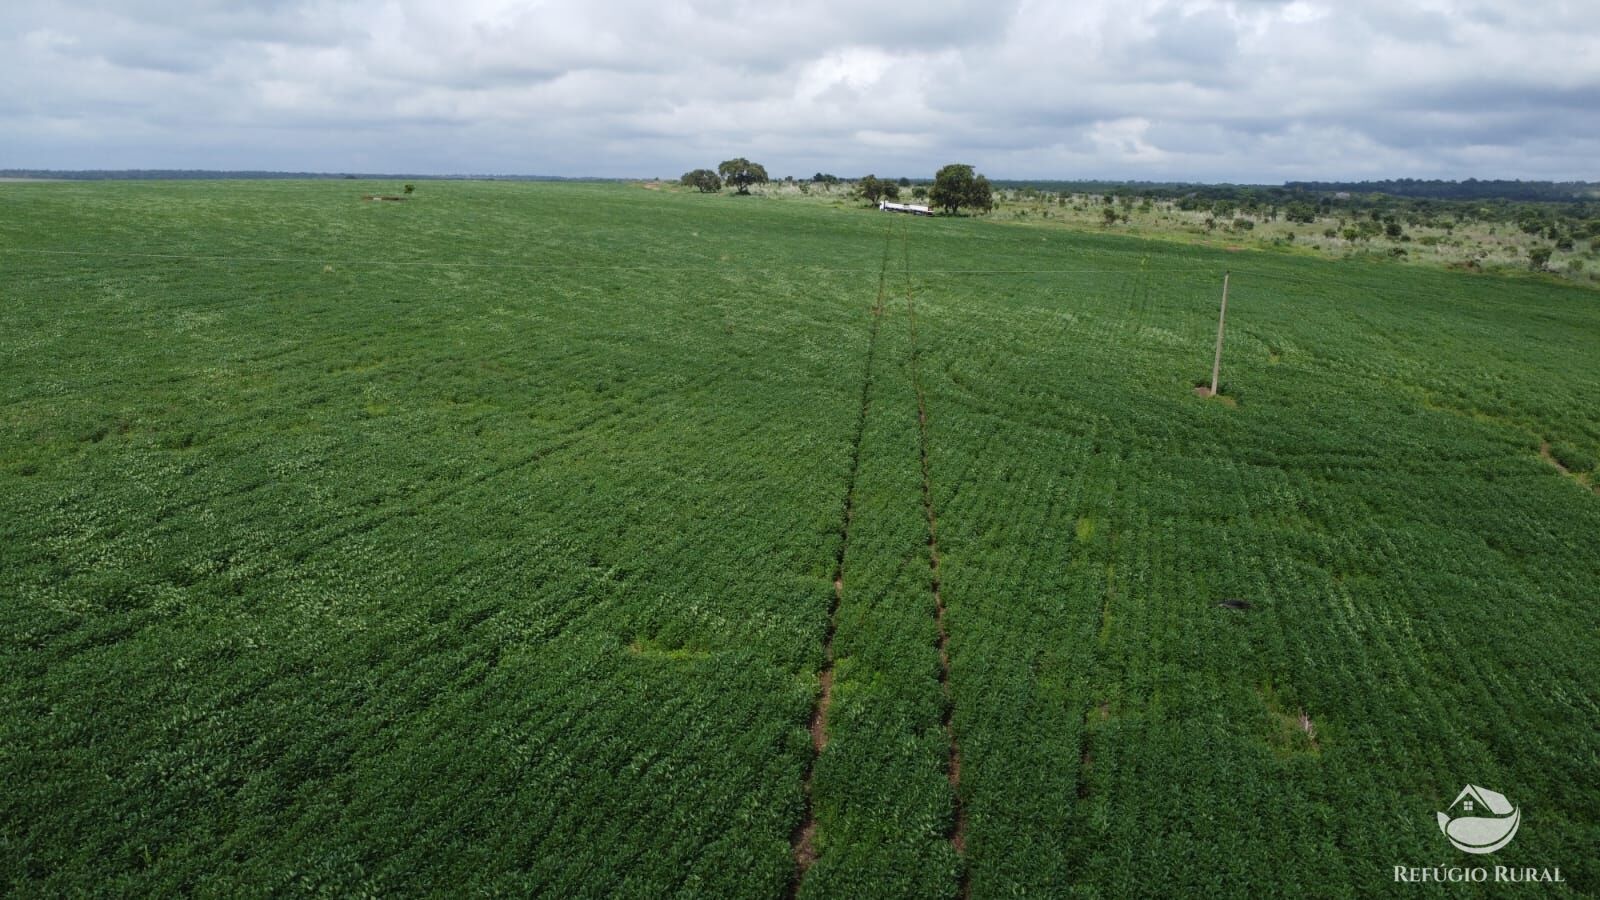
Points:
[[1250, 90]]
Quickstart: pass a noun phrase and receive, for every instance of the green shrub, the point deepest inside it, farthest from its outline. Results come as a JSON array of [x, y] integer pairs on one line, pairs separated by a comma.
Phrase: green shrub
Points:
[[1573, 458]]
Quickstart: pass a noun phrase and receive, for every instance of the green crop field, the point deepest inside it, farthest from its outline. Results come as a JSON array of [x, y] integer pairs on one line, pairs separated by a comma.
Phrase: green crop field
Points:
[[588, 540]]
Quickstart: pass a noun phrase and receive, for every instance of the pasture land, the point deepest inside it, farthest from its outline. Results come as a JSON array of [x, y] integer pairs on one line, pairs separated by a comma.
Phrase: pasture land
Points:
[[501, 540]]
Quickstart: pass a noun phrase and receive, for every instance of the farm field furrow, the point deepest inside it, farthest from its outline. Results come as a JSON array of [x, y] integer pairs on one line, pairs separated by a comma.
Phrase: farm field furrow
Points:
[[487, 543], [1407, 569], [882, 799], [329, 616]]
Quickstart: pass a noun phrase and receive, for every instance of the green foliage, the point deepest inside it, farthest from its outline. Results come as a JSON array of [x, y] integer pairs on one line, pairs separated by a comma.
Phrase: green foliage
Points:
[[886, 719], [957, 186], [1301, 212], [981, 196], [500, 572], [741, 173], [1538, 258], [703, 180], [1366, 519], [1574, 458], [872, 189], [508, 568], [1470, 189]]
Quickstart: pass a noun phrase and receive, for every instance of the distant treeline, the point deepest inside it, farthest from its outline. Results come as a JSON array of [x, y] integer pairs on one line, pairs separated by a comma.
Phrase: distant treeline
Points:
[[1414, 188], [1137, 188], [251, 175], [1471, 189]]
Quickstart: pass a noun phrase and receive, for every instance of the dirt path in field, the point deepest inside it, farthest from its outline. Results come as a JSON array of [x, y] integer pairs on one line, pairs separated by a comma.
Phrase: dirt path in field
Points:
[[958, 831], [1549, 457], [803, 841]]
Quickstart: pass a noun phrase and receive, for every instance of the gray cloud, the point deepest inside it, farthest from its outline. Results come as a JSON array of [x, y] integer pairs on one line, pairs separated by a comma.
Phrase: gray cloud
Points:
[[1249, 90]]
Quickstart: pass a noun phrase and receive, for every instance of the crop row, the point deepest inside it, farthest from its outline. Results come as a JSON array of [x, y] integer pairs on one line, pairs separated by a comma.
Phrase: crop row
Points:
[[461, 580], [882, 799], [1406, 569], [513, 575]]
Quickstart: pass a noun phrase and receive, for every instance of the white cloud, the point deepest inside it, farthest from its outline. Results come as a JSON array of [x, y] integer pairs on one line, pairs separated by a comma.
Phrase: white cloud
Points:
[[1123, 140], [1199, 89], [855, 69]]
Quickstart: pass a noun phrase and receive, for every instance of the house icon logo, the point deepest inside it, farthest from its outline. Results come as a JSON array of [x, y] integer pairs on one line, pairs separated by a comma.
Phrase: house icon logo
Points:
[[1480, 820]]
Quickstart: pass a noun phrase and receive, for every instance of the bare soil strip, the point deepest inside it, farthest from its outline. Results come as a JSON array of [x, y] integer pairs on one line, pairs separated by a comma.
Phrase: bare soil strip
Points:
[[803, 840], [958, 831]]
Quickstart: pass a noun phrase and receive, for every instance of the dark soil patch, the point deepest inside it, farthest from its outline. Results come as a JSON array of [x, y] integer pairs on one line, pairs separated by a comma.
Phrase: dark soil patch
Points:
[[1202, 389]]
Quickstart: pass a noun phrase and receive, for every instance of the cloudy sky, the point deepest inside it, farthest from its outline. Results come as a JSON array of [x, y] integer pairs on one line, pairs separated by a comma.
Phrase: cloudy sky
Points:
[[1248, 90]]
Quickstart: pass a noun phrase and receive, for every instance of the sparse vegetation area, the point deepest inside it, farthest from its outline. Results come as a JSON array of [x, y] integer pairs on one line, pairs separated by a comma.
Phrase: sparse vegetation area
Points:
[[1503, 236], [1488, 234], [522, 539]]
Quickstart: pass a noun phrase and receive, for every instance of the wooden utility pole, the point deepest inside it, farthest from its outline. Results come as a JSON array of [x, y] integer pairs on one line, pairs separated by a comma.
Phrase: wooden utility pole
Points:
[[1222, 316]]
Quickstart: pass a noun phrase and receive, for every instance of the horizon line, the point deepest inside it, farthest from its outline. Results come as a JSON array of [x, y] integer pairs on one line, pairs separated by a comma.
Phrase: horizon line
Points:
[[156, 174]]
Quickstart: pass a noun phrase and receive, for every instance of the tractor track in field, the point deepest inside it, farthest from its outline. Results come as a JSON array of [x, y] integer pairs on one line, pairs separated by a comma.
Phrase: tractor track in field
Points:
[[803, 840], [958, 827]]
